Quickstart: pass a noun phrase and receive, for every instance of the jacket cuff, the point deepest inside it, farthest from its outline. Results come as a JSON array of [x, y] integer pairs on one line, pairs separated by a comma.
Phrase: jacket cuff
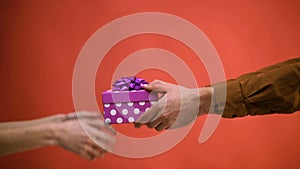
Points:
[[228, 99]]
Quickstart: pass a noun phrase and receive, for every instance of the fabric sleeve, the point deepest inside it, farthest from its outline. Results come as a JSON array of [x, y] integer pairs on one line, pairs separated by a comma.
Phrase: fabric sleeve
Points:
[[274, 89]]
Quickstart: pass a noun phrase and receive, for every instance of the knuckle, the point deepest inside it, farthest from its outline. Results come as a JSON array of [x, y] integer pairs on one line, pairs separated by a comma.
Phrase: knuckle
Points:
[[164, 116], [149, 125], [159, 128], [60, 116], [156, 81], [160, 107]]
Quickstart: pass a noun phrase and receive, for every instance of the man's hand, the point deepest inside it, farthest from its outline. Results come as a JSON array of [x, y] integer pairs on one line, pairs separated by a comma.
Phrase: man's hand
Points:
[[178, 107]]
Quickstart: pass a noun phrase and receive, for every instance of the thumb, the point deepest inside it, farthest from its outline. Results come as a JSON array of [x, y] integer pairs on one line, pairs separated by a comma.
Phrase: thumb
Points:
[[158, 85]]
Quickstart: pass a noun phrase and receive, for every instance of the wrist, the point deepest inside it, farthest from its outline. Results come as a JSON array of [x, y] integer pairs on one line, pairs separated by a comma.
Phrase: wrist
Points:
[[53, 134], [205, 95], [57, 118], [55, 129]]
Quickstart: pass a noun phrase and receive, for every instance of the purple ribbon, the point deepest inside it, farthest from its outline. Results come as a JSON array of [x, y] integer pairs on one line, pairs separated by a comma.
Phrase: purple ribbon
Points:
[[128, 84]]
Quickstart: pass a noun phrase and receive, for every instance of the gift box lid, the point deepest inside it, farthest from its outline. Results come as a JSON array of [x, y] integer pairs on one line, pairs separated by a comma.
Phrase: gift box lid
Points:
[[110, 96]]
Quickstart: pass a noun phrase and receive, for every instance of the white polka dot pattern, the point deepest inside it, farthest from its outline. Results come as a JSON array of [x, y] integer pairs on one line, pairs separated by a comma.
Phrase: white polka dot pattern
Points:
[[119, 120], [125, 112], [136, 111], [113, 112], [107, 120], [153, 102], [125, 106], [130, 119]]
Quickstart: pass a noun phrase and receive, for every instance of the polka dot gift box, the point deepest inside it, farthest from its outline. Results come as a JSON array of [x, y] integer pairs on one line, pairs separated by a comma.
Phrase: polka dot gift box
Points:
[[127, 100]]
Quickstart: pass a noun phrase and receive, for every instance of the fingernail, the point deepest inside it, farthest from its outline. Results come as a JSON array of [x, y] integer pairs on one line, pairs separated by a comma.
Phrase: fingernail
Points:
[[144, 85]]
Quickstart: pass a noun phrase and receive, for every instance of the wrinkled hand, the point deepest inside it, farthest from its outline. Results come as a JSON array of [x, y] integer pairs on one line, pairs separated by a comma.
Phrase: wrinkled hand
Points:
[[178, 107], [88, 137]]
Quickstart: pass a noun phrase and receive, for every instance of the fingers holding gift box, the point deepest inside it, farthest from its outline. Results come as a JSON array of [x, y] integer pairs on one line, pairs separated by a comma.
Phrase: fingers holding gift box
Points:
[[127, 101]]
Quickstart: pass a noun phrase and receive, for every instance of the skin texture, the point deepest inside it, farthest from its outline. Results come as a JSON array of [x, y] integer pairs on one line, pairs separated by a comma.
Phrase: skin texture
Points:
[[88, 137], [178, 107]]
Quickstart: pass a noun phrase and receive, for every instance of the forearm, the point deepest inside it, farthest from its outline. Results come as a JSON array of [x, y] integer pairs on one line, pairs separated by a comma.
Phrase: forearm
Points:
[[28, 123], [274, 89], [16, 139], [25, 135], [64, 130]]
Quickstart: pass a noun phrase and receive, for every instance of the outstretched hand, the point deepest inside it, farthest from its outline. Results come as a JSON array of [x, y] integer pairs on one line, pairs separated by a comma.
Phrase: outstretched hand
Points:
[[85, 134], [178, 107]]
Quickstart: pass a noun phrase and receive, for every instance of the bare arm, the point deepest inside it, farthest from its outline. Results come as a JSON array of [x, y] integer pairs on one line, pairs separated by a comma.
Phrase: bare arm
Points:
[[62, 130], [44, 120], [17, 139]]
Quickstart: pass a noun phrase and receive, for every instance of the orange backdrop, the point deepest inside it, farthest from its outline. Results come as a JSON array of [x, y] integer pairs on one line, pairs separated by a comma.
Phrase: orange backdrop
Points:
[[40, 41]]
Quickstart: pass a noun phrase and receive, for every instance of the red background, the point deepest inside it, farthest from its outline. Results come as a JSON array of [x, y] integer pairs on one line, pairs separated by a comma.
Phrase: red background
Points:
[[40, 41]]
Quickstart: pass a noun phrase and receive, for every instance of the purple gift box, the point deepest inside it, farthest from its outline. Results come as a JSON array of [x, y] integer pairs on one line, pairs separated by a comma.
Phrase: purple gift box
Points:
[[126, 106]]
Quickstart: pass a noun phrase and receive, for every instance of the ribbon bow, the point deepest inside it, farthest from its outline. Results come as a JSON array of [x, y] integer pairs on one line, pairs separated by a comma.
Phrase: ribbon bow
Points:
[[128, 84]]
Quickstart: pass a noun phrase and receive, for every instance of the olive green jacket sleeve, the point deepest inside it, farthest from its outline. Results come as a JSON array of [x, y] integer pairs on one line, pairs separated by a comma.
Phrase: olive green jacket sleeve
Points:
[[274, 89]]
